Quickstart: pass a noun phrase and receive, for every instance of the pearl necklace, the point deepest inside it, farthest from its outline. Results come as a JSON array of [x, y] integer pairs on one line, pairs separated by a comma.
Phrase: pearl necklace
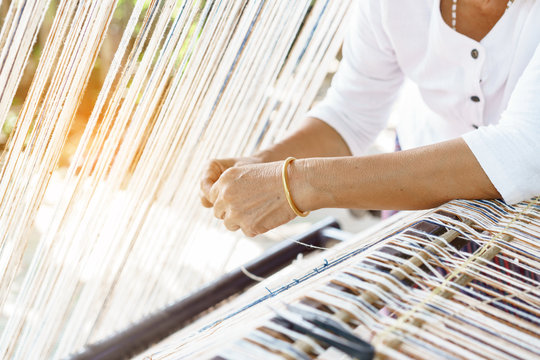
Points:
[[454, 10]]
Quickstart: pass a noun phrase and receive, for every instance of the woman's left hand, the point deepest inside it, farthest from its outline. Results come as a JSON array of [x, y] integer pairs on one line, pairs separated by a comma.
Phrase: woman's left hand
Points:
[[251, 198]]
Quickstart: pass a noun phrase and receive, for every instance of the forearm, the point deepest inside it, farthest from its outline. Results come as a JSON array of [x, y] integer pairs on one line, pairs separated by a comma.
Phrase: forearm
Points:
[[314, 138], [416, 179]]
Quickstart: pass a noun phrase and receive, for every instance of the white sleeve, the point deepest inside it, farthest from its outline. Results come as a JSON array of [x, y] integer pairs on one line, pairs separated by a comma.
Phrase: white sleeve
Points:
[[509, 152], [358, 103]]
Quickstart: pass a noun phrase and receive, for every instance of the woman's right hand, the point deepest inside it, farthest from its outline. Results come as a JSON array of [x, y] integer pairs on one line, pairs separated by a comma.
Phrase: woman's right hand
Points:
[[213, 171], [314, 138]]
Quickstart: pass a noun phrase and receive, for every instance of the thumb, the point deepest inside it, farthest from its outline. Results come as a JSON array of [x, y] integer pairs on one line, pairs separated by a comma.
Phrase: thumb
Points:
[[212, 173], [204, 200]]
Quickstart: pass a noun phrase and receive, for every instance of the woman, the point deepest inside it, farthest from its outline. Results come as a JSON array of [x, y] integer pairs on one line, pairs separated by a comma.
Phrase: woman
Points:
[[473, 135]]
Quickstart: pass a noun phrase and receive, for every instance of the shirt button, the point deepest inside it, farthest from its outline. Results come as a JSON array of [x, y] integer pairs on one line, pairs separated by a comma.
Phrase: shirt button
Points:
[[475, 98], [474, 53]]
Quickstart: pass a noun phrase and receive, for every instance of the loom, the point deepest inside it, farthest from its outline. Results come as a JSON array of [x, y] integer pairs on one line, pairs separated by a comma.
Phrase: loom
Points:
[[190, 80], [414, 288], [122, 233]]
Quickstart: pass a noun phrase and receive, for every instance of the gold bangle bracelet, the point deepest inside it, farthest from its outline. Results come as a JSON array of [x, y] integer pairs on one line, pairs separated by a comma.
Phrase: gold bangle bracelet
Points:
[[286, 188]]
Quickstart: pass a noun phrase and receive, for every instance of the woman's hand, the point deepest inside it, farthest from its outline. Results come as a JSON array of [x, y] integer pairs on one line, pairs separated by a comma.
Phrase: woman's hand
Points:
[[248, 195], [213, 171], [251, 197], [260, 204]]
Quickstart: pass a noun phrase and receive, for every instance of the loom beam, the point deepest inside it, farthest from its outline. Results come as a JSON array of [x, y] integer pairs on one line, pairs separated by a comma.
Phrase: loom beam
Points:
[[174, 317]]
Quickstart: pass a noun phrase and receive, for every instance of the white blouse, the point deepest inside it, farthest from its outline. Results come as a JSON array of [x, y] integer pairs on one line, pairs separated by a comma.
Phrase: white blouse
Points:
[[488, 92]]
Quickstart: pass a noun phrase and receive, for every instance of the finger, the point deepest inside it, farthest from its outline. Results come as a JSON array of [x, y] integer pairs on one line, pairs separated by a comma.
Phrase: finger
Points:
[[213, 171], [208, 180], [219, 214], [204, 201], [230, 224], [271, 222], [261, 229], [213, 193], [219, 210], [248, 232]]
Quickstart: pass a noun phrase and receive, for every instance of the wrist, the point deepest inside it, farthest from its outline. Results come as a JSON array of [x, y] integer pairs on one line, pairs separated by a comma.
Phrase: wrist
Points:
[[307, 185]]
